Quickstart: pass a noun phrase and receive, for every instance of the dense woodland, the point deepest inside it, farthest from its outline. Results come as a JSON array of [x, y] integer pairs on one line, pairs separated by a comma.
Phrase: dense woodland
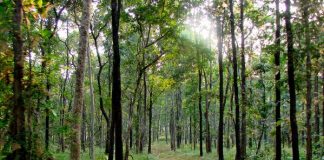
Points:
[[161, 79]]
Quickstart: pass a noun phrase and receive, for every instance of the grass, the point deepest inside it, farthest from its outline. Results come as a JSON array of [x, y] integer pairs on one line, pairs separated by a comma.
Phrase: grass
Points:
[[161, 151]]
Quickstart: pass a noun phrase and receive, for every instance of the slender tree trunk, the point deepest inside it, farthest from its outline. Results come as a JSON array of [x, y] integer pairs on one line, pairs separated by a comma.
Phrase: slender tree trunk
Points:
[[84, 128], [129, 129], [17, 124], [291, 82], [190, 130], [200, 115], [220, 146], [277, 84], [305, 7], [235, 86], [101, 104], [166, 131], [178, 117], [116, 82], [92, 108], [150, 121], [208, 138], [78, 97], [143, 126], [172, 127], [243, 83], [316, 113], [45, 48]]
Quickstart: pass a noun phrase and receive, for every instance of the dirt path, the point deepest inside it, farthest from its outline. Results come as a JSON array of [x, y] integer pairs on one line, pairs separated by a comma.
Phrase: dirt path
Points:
[[162, 152]]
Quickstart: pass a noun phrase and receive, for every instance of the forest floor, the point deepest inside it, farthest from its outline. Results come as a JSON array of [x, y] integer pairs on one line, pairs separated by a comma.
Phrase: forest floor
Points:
[[162, 151]]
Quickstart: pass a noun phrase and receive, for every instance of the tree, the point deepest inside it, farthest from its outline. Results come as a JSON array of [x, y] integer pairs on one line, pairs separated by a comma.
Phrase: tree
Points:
[[291, 82], [235, 86], [92, 108], [243, 83], [220, 146], [200, 114], [116, 82], [277, 83], [305, 6], [79, 86], [17, 124]]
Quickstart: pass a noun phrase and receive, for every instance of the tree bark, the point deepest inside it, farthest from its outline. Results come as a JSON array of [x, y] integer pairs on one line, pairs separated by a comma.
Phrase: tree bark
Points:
[[79, 74], [208, 138], [149, 149], [277, 84], [178, 116], [200, 115], [305, 6], [116, 82], [243, 84], [316, 113], [17, 123], [84, 128], [172, 127], [92, 108], [291, 82], [235, 86], [220, 146]]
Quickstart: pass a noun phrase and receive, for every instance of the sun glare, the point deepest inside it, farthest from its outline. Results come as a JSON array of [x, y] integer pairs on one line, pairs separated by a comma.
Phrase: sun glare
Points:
[[201, 27]]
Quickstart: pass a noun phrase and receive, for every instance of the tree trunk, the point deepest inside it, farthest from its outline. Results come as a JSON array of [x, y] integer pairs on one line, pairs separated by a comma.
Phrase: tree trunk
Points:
[[235, 86], [200, 115], [17, 123], [316, 113], [220, 147], [172, 127], [92, 109], [143, 126], [305, 7], [79, 77], [149, 149], [116, 82], [178, 116], [208, 138], [190, 130], [291, 82], [130, 134], [243, 84], [277, 84], [101, 104], [84, 128]]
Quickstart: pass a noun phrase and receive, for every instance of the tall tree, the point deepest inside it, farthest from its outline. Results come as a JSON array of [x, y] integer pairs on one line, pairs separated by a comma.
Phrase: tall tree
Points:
[[277, 83], [305, 6], [17, 124], [235, 86], [316, 114], [220, 145], [116, 82], [200, 114], [207, 125], [149, 148], [243, 83], [291, 82], [79, 78], [95, 37], [92, 108]]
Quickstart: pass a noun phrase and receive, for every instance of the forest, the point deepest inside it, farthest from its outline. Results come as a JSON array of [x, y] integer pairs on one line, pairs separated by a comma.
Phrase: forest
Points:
[[161, 79]]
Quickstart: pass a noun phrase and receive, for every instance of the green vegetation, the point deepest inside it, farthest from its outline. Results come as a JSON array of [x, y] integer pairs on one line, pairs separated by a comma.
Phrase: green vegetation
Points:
[[161, 79]]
